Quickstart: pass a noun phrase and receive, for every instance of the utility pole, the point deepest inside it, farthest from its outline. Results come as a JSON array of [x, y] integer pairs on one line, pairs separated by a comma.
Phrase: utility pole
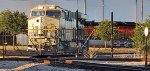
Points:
[[112, 34], [85, 7], [77, 27], [142, 10], [3, 45], [146, 34], [103, 9], [146, 51], [136, 11]]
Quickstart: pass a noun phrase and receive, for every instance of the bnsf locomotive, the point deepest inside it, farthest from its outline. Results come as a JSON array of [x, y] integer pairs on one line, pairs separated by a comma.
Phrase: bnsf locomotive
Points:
[[50, 26]]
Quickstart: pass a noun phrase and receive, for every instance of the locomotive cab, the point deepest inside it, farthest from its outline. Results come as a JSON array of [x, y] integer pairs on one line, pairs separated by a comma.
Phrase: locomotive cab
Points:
[[50, 13]]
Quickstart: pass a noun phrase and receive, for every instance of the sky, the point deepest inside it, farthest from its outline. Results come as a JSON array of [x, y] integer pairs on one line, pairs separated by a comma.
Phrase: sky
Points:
[[124, 10]]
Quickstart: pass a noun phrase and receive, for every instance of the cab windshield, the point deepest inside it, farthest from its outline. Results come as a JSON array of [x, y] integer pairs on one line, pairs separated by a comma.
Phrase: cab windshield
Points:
[[54, 13], [38, 13]]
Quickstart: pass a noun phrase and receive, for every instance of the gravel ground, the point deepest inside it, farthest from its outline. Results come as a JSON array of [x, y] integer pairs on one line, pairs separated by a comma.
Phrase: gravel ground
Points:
[[122, 63], [29, 66], [51, 68], [11, 64]]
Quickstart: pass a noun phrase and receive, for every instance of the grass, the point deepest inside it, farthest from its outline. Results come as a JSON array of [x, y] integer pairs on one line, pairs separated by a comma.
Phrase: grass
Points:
[[15, 51], [14, 48], [115, 50], [94, 49], [21, 50]]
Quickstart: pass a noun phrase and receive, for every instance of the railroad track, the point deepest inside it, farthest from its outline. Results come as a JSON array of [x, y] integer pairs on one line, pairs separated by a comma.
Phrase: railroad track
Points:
[[100, 67], [60, 61], [16, 59], [68, 62]]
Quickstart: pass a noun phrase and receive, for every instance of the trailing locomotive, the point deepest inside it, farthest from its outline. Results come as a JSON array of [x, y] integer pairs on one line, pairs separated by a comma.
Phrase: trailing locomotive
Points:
[[55, 28]]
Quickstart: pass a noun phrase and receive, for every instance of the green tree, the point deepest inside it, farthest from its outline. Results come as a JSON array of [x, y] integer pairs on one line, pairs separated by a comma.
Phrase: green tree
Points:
[[5, 17], [104, 30], [13, 22], [18, 23], [139, 37]]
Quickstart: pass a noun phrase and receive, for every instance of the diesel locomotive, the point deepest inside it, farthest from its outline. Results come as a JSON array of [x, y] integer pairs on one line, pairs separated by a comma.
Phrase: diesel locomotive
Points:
[[52, 27]]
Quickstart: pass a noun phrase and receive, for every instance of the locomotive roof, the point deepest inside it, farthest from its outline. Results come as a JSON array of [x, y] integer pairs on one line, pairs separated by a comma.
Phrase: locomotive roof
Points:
[[90, 23], [55, 7], [46, 7], [119, 23]]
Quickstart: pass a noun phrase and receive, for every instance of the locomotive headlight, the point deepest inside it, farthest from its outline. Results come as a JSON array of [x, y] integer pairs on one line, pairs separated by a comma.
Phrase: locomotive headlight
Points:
[[37, 20], [52, 7], [45, 39], [41, 7]]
